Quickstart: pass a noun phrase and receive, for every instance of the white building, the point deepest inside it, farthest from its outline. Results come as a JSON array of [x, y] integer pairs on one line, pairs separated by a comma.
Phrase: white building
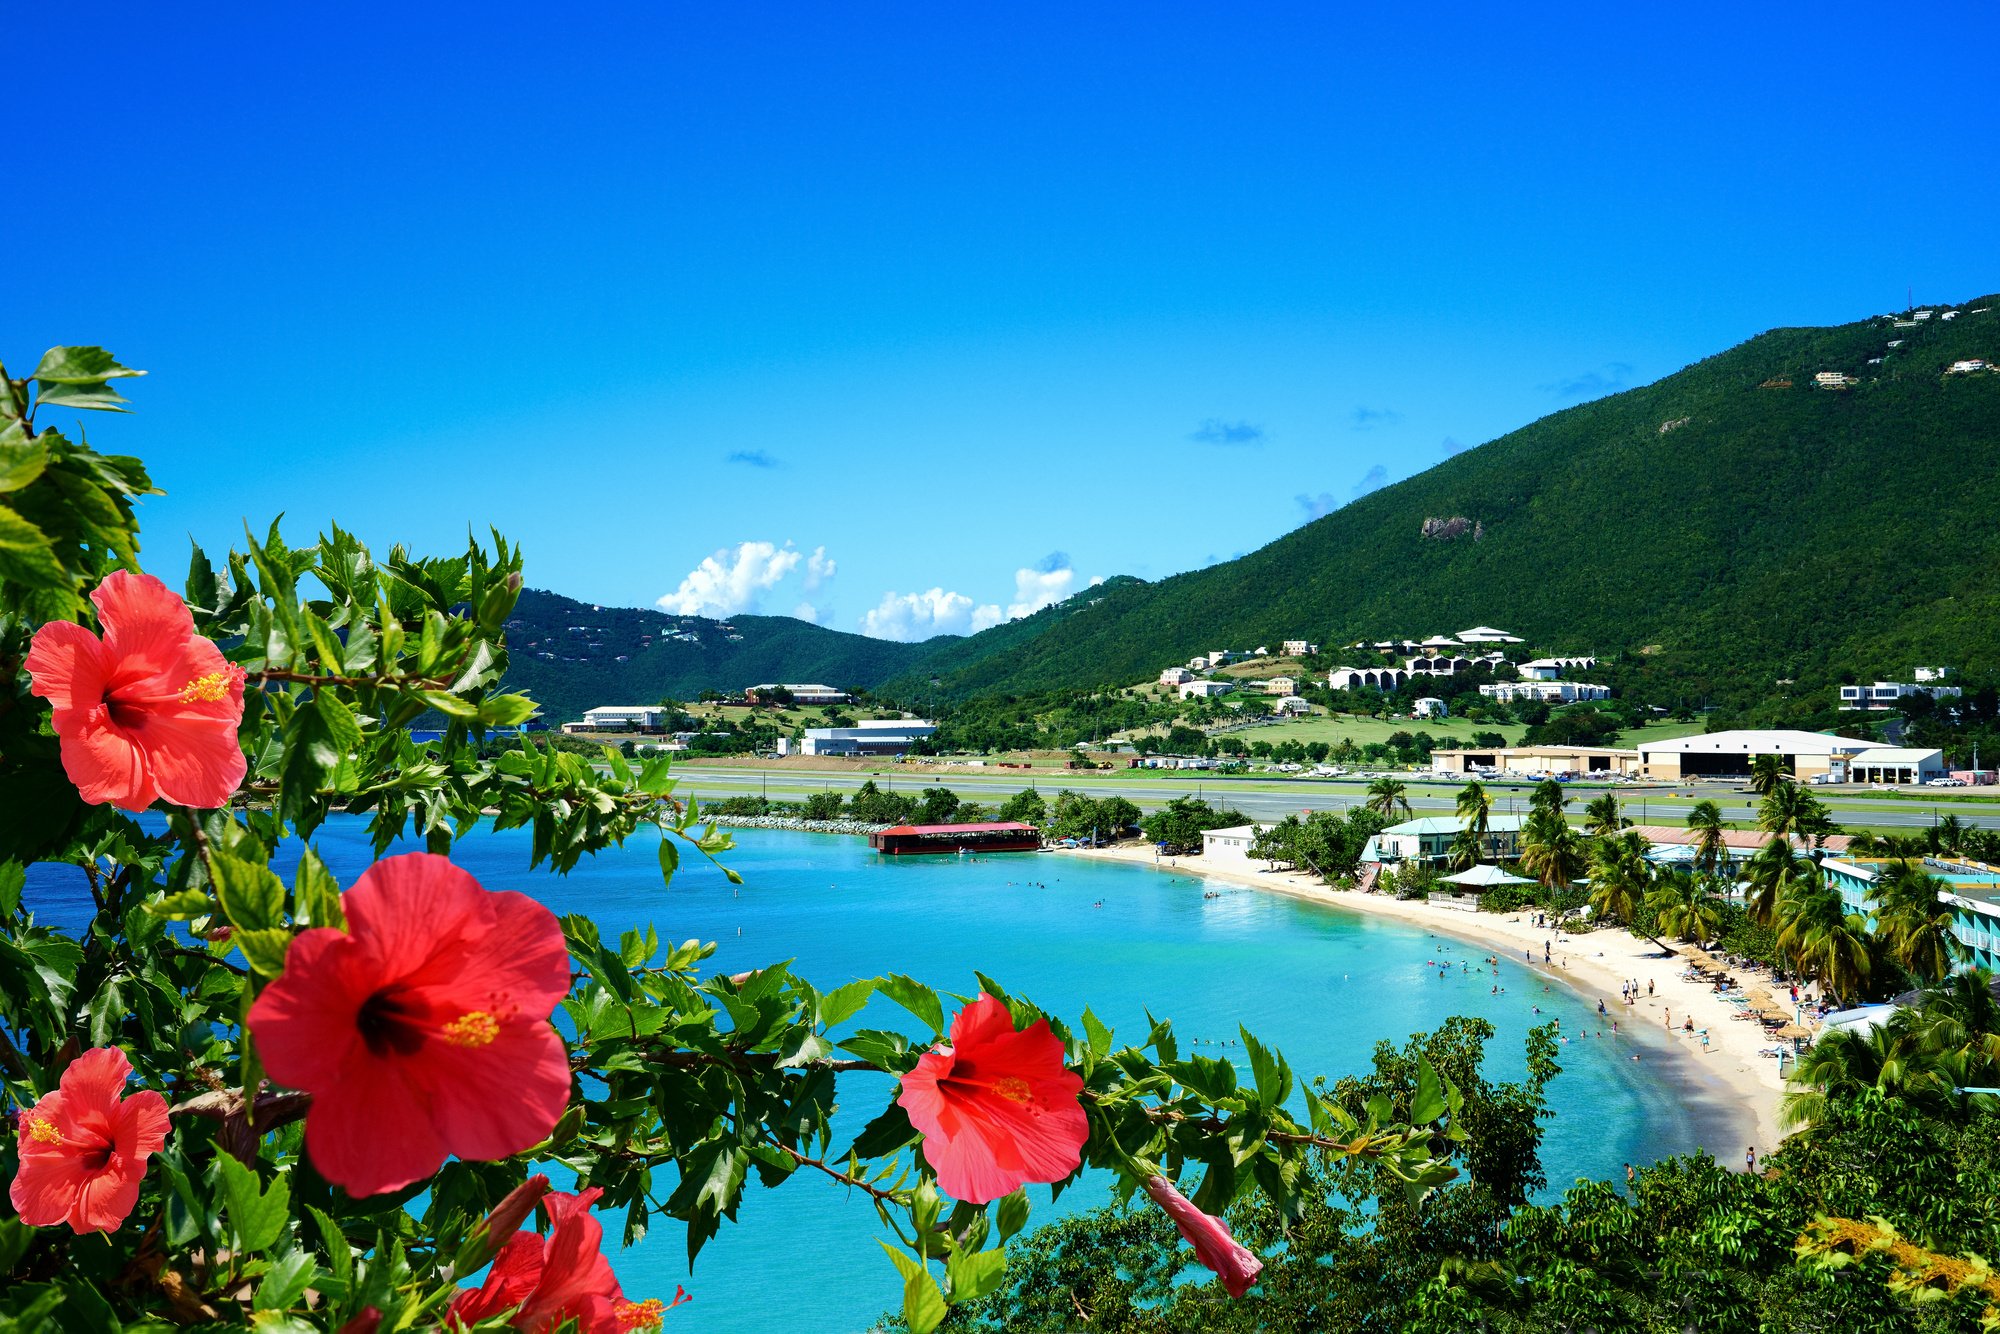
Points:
[[809, 692], [1299, 648], [880, 736], [1810, 756], [1231, 845], [1442, 665], [1174, 676], [1206, 689], [1966, 367], [1933, 673], [1548, 692], [1429, 706], [1486, 634], [1374, 678], [1550, 669], [621, 718], [1833, 380], [1291, 706], [1884, 694]]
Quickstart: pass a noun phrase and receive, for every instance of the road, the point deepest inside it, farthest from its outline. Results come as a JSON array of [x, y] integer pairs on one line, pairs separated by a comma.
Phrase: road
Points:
[[1270, 799]]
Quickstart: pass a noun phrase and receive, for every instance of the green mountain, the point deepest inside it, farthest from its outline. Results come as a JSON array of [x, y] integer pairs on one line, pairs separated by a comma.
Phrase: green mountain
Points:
[[571, 656], [1729, 526]]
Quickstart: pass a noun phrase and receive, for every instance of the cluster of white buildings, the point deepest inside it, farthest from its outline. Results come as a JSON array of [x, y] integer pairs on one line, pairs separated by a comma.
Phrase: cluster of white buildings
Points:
[[881, 736], [1885, 694], [1546, 691]]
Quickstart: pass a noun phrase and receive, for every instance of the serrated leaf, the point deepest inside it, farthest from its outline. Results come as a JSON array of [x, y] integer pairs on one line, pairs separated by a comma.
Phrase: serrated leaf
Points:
[[915, 997], [1428, 1104], [316, 894], [256, 1214], [263, 950], [252, 896], [974, 1274], [284, 1283], [843, 1003], [1096, 1034], [923, 1304]]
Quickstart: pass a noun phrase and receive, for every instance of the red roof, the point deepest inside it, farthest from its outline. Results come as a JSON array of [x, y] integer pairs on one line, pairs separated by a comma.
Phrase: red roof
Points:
[[996, 827], [1735, 838]]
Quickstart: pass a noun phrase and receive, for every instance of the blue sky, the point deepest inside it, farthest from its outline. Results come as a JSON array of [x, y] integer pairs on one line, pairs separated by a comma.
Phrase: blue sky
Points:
[[911, 317]]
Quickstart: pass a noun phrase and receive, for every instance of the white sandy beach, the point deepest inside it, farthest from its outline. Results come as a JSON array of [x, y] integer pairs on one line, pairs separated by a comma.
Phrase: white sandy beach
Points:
[[1596, 963]]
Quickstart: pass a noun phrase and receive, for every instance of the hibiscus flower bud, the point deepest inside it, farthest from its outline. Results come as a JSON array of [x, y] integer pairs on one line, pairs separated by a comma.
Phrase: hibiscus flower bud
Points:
[[215, 935], [500, 1225], [1213, 1246]]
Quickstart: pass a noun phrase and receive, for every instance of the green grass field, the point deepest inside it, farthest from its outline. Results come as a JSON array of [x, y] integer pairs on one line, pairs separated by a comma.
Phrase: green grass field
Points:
[[1335, 728]]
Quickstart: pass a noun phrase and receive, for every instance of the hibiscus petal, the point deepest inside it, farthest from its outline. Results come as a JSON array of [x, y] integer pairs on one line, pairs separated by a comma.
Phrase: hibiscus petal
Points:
[[106, 767], [46, 1188], [986, 1020], [304, 1022], [106, 1198], [66, 664], [491, 1101], [146, 624], [417, 911], [195, 759], [512, 1279], [370, 1132], [142, 1123], [95, 1081]]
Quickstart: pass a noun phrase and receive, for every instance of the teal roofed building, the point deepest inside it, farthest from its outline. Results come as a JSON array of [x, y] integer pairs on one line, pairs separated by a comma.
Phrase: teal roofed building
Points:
[[1972, 888], [1429, 839]]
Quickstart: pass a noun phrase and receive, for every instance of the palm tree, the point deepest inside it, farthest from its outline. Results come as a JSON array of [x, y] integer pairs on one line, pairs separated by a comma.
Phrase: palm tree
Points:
[[1549, 796], [1950, 1040], [1791, 810], [1706, 824], [1388, 795], [1552, 850], [1465, 850], [1601, 818], [1915, 923], [1684, 905], [1824, 940], [1771, 870], [1620, 876], [1475, 812], [1948, 835], [1768, 774]]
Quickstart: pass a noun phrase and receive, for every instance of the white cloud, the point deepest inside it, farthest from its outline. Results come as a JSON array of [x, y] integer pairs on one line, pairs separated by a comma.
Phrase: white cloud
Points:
[[732, 580], [819, 568], [913, 616], [805, 611], [1035, 589]]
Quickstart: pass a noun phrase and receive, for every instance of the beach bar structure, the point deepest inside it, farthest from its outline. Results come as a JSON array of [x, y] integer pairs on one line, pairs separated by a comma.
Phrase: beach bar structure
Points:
[[997, 836]]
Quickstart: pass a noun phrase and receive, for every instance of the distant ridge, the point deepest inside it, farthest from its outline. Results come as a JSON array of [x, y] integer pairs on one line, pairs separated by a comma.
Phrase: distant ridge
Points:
[[1733, 520]]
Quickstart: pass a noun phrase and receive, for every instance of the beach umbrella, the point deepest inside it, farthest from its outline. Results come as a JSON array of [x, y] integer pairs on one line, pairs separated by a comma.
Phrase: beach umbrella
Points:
[[1794, 1031], [1485, 876]]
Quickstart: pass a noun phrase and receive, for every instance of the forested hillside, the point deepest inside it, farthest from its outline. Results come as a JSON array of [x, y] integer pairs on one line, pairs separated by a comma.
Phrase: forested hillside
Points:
[[571, 656], [1732, 523]]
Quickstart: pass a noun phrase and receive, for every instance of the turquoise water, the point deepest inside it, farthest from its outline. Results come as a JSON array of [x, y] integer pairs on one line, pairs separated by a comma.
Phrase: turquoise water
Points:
[[1323, 985]]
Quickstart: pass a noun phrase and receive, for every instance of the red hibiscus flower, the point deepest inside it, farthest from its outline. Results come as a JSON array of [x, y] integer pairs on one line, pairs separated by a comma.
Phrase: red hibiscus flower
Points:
[[84, 1147], [997, 1107], [564, 1277], [150, 711], [1213, 1245], [422, 1030]]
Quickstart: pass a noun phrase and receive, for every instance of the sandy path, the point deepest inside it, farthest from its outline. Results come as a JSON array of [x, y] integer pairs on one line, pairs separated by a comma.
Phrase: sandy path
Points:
[[1729, 1072]]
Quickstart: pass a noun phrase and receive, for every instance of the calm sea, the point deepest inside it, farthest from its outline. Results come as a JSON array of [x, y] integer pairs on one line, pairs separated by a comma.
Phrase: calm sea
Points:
[[1323, 985]]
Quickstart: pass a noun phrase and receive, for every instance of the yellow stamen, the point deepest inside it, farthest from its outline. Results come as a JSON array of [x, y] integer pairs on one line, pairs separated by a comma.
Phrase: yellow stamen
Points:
[[1013, 1088], [474, 1028], [207, 689], [43, 1131], [648, 1314]]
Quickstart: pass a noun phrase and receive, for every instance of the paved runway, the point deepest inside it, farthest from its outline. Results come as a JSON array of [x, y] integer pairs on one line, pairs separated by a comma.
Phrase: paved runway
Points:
[[1269, 799]]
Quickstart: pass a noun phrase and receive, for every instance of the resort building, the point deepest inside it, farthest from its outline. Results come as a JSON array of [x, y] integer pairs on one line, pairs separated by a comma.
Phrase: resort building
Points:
[[1174, 676], [1672, 845], [1885, 694], [882, 736], [1299, 648], [1206, 689], [1440, 666], [1282, 685], [807, 693], [1291, 706], [1374, 678], [1808, 756], [1429, 839], [1971, 888], [1486, 634], [621, 718], [1550, 669], [1548, 692], [1537, 760]]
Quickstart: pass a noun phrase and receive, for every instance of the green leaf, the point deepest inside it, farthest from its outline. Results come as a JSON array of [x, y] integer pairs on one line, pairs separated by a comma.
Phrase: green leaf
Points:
[[263, 950], [342, 730], [13, 878], [316, 894], [506, 710], [885, 1134], [670, 857], [1098, 1036], [21, 462], [1273, 1076], [923, 1304], [974, 1274], [285, 1282], [915, 997], [252, 896], [1428, 1104], [450, 705], [26, 556], [843, 1003], [255, 1215], [75, 377]]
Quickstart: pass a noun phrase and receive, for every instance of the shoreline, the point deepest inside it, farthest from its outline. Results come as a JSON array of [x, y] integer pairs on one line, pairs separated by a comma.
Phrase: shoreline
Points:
[[1731, 1092]]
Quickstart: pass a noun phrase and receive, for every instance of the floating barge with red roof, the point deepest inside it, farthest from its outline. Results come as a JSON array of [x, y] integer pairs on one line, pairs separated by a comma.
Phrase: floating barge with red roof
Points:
[[997, 836]]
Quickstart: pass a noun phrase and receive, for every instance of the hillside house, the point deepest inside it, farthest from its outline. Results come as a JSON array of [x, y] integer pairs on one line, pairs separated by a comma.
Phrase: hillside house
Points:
[[1174, 676], [1486, 634], [1883, 695], [1833, 380], [1966, 367], [1291, 706], [1206, 689], [808, 692], [1300, 648], [1282, 685], [1428, 706]]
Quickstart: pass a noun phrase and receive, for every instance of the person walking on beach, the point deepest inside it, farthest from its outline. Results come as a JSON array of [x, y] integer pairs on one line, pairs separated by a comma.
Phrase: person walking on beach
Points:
[[1670, 1017], [1649, 986], [1750, 1160]]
